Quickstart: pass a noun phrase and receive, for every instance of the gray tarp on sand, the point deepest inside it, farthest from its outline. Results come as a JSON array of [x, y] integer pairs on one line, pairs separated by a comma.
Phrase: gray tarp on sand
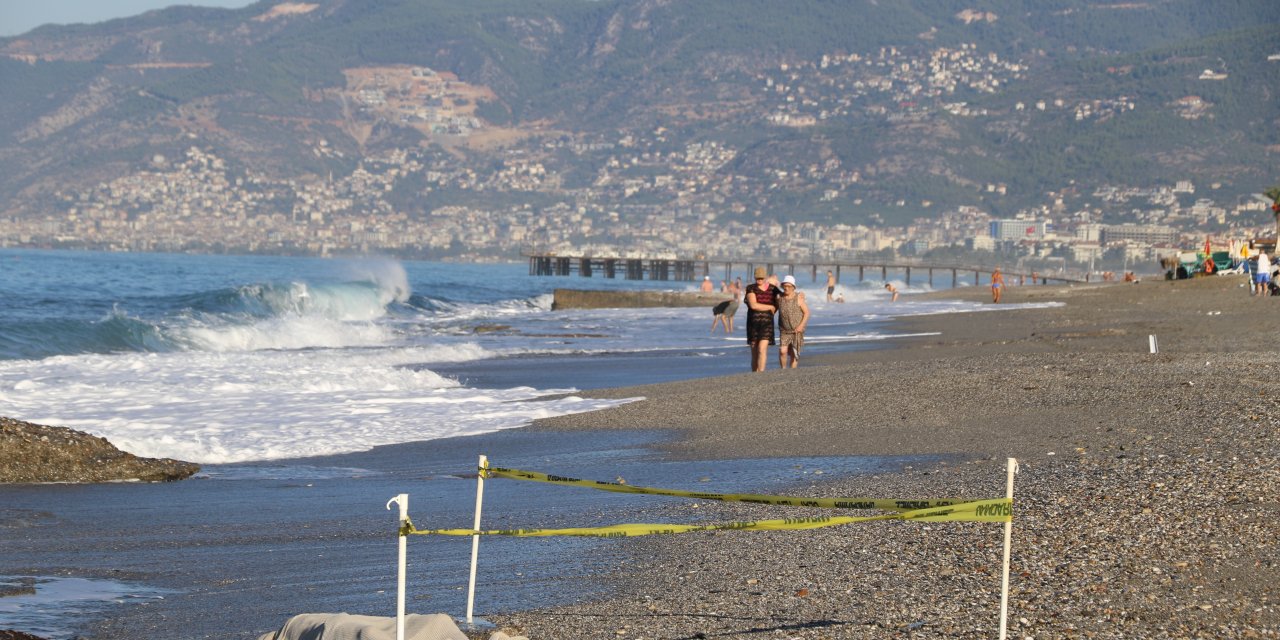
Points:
[[344, 626]]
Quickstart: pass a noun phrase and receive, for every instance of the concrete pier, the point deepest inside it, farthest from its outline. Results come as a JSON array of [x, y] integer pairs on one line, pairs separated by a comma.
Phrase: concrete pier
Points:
[[693, 269]]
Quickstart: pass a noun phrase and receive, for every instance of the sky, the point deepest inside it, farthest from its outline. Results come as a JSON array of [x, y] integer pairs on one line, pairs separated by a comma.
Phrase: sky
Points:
[[20, 16]]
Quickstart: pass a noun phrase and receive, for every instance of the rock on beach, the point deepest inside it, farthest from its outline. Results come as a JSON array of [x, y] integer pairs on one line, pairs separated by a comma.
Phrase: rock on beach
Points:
[[37, 453]]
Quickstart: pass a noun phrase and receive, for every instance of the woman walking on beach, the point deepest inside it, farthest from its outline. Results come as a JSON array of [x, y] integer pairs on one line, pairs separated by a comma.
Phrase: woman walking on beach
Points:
[[997, 285], [760, 298], [793, 317]]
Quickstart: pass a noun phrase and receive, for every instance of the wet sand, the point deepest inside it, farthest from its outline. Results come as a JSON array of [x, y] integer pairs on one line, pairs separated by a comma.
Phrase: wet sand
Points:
[[1146, 505]]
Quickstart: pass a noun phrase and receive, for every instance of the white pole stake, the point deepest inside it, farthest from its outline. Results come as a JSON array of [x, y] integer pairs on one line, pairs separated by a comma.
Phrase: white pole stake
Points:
[[1151, 339], [1008, 544], [403, 501], [475, 540]]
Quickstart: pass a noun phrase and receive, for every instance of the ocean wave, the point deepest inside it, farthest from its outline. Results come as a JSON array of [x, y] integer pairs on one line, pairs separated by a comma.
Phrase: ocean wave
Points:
[[117, 332]]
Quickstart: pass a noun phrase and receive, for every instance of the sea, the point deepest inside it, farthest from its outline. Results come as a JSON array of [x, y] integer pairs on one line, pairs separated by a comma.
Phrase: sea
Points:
[[225, 359], [313, 390]]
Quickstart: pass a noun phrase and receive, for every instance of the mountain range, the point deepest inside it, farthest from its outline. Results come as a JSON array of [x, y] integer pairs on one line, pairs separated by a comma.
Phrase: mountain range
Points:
[[825, 110]]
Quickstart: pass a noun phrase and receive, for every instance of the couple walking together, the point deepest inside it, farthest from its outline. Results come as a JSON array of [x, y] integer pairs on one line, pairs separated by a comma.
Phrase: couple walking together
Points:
[[763, 301]]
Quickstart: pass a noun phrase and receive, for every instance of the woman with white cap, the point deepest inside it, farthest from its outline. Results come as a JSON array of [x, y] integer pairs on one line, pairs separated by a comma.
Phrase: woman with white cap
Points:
[[793, 317]]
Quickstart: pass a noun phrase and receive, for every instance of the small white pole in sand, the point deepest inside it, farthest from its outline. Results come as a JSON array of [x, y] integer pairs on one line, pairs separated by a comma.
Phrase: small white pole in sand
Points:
[[1008, 544], [403, 501], [475, 540], [1155, 347]]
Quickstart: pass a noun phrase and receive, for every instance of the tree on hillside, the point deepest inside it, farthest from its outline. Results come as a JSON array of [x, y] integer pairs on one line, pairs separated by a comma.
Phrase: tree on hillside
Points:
[[1274, 194]]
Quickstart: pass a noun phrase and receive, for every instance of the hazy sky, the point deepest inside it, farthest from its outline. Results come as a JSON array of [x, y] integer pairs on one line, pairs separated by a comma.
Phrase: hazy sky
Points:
[[21, 16]]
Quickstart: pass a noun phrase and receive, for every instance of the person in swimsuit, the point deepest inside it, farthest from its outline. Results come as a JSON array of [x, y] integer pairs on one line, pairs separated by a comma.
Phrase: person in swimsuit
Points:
[[732, 309], [888, 286], [831, 285], [718, 317], [724, 311], [760, 298], [793, 317], [997, 285]]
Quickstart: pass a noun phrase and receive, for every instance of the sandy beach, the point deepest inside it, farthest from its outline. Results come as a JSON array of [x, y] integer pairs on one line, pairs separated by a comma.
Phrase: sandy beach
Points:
[[1146, 504]]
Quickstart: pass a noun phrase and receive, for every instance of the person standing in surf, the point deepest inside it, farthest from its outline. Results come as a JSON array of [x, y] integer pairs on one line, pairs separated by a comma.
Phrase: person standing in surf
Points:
[[760, 298]]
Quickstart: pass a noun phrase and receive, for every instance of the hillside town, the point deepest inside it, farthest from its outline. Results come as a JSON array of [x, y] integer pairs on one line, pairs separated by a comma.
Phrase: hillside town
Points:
[[195, 205], [646, 193]]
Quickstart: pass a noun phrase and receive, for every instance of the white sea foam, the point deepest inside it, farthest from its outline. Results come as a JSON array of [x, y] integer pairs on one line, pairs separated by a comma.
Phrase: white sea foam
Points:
[[286, 332], [233, 407]]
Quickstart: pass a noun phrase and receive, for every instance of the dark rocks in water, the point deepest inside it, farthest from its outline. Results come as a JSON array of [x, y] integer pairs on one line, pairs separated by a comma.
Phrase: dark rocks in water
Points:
[[10, 634], [36, 453], [19, 587]]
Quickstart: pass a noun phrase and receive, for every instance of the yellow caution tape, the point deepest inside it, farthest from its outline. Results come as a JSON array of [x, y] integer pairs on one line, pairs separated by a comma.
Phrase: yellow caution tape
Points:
[[997, 510], [828, 503]]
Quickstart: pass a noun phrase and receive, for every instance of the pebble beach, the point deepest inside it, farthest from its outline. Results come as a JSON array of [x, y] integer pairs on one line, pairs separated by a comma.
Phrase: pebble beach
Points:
[[1146, 503]]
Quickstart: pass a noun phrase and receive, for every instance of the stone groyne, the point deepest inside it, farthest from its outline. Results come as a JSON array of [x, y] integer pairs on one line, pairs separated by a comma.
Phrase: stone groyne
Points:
[[595, 299]]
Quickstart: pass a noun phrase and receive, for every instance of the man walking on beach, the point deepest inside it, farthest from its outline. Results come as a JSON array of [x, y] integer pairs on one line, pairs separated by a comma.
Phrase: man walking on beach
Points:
[[761, 305], [793, 317]]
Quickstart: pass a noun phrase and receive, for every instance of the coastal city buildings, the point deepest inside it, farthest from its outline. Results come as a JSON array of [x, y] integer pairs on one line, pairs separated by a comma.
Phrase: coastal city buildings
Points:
[[640, 193], [194, 204]]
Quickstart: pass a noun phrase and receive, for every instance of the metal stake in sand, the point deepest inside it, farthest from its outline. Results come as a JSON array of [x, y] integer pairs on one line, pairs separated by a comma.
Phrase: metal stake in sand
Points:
[[1008, 543], [475, 540], [403, 501], [1155, 346]]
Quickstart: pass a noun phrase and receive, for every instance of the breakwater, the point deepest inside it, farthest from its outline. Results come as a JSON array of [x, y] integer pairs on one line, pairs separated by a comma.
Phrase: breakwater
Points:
[[592, 299]]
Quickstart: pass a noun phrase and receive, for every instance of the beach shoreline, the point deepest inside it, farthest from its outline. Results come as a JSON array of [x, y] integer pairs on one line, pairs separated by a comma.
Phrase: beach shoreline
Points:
[[1145, 505]]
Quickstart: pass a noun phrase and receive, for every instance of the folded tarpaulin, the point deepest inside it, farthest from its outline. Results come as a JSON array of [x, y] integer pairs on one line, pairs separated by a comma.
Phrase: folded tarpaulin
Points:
[[344, 626]]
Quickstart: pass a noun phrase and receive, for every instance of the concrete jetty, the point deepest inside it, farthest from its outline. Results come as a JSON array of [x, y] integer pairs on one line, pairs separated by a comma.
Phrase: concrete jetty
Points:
[[595, 299]]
